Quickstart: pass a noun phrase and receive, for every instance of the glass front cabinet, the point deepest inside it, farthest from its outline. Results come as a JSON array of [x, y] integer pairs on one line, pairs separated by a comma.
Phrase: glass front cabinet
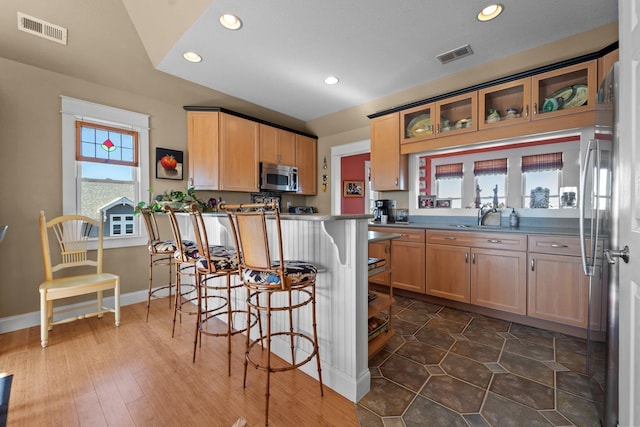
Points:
[[450, 116]]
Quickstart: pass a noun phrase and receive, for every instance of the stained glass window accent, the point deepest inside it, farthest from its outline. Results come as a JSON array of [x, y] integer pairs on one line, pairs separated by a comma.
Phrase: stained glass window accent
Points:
[[105, 144]]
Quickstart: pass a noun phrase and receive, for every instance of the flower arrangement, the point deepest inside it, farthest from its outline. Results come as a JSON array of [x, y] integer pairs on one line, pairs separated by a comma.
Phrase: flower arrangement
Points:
[[178, 200]]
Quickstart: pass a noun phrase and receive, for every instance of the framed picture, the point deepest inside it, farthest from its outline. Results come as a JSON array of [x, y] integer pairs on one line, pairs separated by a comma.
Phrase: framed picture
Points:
[[169, 164], [443, 203], [353, 189], [426, 202]]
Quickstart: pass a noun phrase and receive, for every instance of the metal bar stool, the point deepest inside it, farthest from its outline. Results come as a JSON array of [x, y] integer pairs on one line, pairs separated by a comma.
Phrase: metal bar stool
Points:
[[185, 258], [161, 253], [275, 286], [215, 262]]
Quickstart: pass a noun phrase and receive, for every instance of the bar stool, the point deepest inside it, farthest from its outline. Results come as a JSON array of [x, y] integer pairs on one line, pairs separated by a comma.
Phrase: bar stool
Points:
[[292, 283], [185, 258], [216, 262], [161, 253]]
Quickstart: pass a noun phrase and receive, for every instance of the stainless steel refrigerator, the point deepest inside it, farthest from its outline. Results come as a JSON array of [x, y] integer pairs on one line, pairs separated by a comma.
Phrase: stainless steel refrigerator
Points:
[[598, 220]]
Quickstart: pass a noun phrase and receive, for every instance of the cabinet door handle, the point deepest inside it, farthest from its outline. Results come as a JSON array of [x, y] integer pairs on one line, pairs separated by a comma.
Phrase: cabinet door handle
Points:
[[535, 108], [526, 111], [494, 241], [473, 259], [559, 245], [449, 238], [438, 128], [466, 257], [396, 182], [532, 264]]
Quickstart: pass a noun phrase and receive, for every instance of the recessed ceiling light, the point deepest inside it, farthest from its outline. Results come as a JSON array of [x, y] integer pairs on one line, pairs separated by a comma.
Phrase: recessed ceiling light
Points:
[[192, 57], [490, 12], [331, 80], [231, 22]]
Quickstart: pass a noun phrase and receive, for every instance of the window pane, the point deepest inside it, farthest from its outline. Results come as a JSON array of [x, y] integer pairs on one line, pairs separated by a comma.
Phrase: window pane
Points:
[[487, 184], [544, 179], [450, 189]]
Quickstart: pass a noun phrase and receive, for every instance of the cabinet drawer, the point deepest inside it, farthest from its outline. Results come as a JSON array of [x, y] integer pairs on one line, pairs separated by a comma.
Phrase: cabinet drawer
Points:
[[516, 242], [560, 245], [407, 235]]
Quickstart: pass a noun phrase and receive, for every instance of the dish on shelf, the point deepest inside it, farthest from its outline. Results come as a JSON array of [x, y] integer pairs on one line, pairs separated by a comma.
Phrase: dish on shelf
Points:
[[419, 126], [558, 99], [539, 198], [377, 324], [580, 96], [463, 123]]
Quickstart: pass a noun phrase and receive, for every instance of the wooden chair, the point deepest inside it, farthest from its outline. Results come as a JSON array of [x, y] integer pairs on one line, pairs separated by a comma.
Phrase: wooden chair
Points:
[[161, 253], [216, 262], [273, 286], [185, 257], [73, 234]]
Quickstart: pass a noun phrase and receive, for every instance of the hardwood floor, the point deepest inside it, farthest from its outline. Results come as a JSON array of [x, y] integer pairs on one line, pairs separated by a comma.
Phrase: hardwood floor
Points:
[[94, 374]]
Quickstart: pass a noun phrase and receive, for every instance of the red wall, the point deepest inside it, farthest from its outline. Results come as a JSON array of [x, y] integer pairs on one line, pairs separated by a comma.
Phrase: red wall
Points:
[[352, 169]]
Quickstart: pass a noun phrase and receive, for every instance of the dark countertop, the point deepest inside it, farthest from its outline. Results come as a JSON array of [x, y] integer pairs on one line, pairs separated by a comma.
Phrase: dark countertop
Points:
[[569, 231]]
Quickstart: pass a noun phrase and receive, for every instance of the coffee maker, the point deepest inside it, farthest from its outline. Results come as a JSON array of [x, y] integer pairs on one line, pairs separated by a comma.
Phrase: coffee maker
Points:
[[384, 207]]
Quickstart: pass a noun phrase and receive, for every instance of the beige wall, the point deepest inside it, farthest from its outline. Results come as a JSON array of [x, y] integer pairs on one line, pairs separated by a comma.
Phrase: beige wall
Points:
[[30, 137]]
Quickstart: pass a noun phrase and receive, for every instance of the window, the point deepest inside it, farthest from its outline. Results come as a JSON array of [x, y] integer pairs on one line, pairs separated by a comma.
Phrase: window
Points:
[[491, 182], [449, 183], [540, 173], [102, 168]]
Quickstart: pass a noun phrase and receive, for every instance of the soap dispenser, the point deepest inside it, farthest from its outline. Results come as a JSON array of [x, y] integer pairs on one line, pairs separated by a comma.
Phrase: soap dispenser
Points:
[[513, 218]]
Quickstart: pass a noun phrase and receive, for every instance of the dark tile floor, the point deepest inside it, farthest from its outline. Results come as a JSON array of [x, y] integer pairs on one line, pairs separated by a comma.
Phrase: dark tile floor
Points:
[[447, 367]]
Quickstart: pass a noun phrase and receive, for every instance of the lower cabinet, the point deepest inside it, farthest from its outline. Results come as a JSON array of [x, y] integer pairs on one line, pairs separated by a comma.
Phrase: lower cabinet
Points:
[[558, 289], [407, 259], [468, 269]]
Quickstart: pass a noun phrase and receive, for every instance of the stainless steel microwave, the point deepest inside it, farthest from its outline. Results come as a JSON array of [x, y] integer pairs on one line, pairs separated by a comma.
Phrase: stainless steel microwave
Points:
[[278, 177]]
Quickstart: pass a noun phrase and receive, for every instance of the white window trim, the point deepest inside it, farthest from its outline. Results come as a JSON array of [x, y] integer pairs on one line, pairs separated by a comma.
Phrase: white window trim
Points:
[[76, 109]]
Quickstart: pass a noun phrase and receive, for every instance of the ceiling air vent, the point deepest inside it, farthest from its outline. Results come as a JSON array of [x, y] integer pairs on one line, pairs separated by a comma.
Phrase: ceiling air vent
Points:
[[41, 28], [457, 53]]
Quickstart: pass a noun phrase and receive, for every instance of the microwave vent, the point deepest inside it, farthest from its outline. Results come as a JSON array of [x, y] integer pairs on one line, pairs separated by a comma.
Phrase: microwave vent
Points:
[[457, 53], [41, 28]]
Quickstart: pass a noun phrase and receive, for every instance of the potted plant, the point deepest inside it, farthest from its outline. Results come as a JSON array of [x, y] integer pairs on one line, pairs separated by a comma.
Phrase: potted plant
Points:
[[177, 199]]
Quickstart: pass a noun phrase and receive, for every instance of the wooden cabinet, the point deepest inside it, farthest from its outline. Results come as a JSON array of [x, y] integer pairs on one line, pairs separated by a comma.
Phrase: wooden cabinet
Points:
[[511, 101], [485, 269], [307, 164], [239, 154], [551, 85], [558, 289], [605, 63], [528, 98], [407, 254], [277, 146], [451, 116], [223, 152], [203, 135], [380, 302], [388, 167]]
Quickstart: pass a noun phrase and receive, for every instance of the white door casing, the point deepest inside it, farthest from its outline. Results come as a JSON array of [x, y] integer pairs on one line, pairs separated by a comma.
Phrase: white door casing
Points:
[[628, 189]]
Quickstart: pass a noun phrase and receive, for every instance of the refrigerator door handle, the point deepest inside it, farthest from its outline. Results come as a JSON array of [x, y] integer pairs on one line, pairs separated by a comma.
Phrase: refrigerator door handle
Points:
[[588, 270]]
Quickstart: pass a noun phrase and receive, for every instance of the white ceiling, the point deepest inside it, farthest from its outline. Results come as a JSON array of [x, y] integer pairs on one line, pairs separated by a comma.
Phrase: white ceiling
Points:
[[285, 48]]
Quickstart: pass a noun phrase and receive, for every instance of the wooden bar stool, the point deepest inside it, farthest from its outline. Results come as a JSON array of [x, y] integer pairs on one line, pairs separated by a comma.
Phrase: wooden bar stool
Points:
[[216, 262], [161, 253], [185, 258], [274, 286]]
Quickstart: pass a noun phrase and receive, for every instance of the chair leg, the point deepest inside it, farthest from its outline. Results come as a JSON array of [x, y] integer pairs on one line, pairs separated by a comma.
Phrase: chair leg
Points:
[[44, 319], [293, 353], [315, 336], [100, 316], [116, 302], [200, 292], [248, 339], [266, 405], [229, 320], [150, 285], [177, 301], [171, 262]]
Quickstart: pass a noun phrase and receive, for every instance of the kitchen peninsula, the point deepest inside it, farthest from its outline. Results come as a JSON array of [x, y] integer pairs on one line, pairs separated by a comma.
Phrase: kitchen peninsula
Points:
[[337, 245]]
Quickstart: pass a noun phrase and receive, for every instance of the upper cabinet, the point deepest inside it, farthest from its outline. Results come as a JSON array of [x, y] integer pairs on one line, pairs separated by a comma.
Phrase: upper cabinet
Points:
[[451, 116], [565, 91], [307, 164], [555, 93], [388, 167], [277, 146], [223, 151]]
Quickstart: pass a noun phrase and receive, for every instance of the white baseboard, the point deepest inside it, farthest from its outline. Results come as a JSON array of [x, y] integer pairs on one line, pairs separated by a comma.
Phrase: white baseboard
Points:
[[27, 320]]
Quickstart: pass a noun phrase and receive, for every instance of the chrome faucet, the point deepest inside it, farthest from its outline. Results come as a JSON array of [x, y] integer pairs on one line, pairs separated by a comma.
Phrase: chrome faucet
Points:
[[483, 212]]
